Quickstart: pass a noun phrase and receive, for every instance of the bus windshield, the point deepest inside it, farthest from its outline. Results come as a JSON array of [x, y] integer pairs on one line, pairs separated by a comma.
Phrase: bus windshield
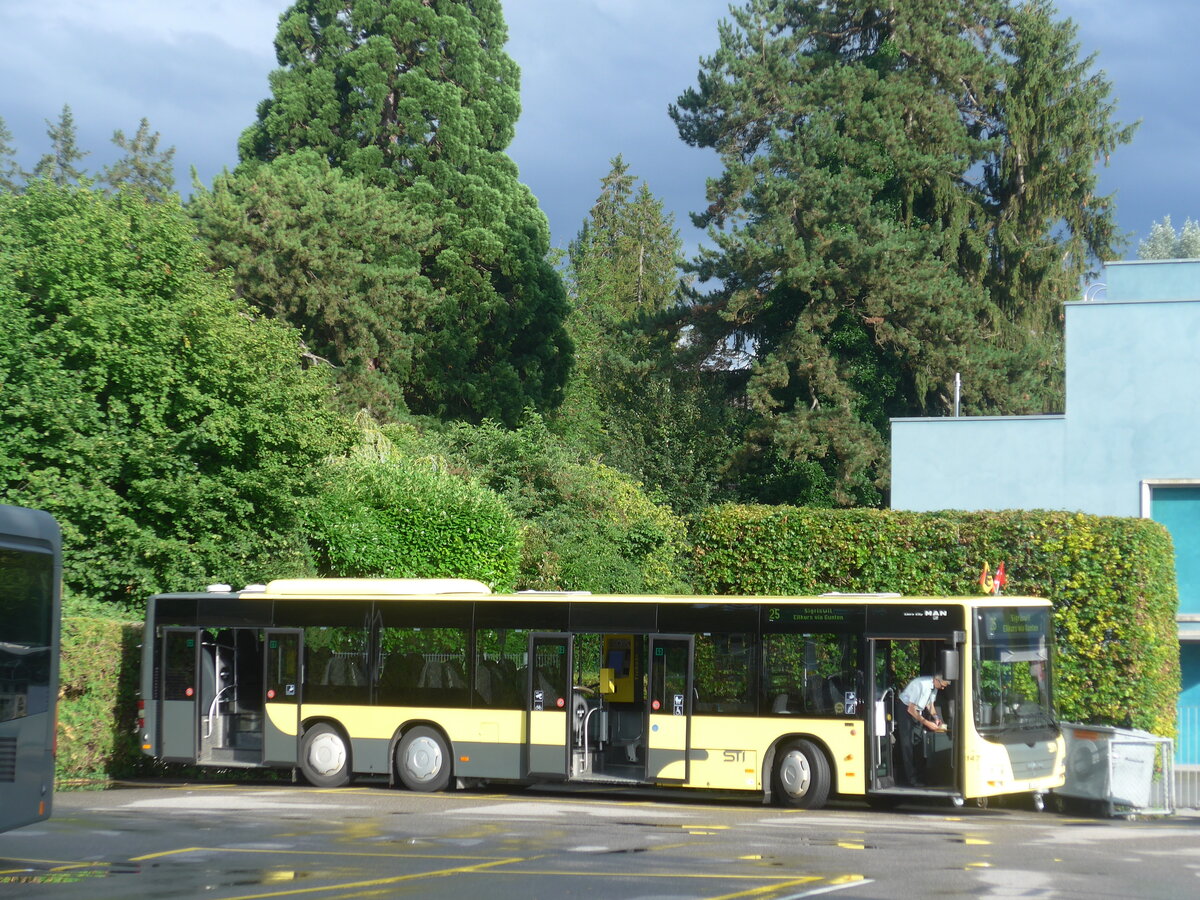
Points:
[[1012, 672], [26, 611]]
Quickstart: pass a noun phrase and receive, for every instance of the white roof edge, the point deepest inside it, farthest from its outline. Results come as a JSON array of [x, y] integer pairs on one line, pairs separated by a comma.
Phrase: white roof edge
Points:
[[391, 587], [1150, 262], [1044, 417]]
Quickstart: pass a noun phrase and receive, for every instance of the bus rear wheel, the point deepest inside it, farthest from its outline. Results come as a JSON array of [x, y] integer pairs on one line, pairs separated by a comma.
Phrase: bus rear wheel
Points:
[[324, 757], [801, 776], [423, 760]]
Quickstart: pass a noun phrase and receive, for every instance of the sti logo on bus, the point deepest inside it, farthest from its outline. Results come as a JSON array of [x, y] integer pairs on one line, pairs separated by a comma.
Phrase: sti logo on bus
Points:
[[734, 756]]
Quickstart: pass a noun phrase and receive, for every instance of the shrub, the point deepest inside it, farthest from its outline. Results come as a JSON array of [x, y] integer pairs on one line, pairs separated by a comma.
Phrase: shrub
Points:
[[97, 708], [384, 514], [588, 526]]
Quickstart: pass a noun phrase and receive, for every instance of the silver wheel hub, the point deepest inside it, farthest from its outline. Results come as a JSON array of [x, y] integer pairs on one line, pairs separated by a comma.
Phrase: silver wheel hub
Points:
[[423, 759], [326, 754], [795, 774]]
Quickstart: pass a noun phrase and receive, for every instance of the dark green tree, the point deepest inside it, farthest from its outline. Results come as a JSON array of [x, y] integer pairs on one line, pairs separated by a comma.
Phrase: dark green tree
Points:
[[172, 432], [419, 97], [909, 192], [622, 266], [143, 167], [337, 257], [11, 176], [59, 165], [628, 401]]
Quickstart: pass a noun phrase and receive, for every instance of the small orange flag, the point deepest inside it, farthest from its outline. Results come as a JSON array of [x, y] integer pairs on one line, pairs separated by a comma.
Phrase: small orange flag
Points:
[[985, 579]]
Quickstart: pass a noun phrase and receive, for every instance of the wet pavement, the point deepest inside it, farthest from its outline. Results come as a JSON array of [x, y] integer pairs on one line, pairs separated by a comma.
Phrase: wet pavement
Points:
[[280, 841]]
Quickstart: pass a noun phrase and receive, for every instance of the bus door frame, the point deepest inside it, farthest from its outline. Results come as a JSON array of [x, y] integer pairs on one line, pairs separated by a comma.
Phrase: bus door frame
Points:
[[179, 716], [282, 699], [880, 724], [548, 730], [669, 718]]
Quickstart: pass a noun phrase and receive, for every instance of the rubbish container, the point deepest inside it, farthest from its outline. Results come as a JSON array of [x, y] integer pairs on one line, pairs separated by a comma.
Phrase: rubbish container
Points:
[[1121, 771]]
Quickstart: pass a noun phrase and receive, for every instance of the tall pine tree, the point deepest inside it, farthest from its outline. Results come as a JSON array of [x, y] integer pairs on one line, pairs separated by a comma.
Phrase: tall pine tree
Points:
[[143, 168], [909, 192], [10, 173], [59, 165], [418, 97], [627, 400]]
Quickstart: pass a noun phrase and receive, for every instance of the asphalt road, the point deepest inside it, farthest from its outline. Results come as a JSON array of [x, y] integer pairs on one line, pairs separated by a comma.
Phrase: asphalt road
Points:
[[249, 842]]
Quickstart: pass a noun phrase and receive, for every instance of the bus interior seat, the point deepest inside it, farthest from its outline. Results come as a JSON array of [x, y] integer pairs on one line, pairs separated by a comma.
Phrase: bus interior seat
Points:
[[487, 678], [780, 704], [345, 670], [627, 732]]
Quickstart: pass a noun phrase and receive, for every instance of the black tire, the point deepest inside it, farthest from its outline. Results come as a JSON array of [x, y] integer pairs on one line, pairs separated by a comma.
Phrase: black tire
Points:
[[800, 777], [423, 761], [324, 757]]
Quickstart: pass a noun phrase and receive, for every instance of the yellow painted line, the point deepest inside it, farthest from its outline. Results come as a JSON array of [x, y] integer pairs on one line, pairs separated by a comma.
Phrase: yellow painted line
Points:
[[67, 867], [314, 853], [769, 889], [696, 876], [42, 862], [383, 882], [168, 853]]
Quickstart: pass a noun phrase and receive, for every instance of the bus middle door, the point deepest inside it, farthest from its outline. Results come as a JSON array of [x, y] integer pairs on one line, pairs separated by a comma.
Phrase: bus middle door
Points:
[[669, 712], [548, 705], [281, 696]]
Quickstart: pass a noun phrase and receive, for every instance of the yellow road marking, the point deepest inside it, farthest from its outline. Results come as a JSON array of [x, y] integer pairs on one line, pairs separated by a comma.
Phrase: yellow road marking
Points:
[[313, 853], [46, 864], [697, 876], [383, 882], [770, 888]]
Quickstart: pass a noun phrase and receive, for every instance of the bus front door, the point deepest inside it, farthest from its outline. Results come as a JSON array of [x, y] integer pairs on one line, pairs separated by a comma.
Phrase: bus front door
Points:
[[931, 755], [669, 714], [281, 696], [548, 706], [179, 694]]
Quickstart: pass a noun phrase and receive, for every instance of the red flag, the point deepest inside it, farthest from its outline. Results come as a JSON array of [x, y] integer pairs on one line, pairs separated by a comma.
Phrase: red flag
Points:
[[1001, 579]]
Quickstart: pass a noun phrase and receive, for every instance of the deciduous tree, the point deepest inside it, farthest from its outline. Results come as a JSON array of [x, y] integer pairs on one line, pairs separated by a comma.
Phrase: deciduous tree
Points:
[[1164, 242], [171, 431]]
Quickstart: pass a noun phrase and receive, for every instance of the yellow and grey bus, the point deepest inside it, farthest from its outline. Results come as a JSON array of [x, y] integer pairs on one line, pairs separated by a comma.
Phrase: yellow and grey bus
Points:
[[30, 579], [440, 683]]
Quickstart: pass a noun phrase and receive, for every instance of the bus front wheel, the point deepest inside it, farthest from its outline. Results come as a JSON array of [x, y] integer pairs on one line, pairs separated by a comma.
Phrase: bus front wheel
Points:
[[423, 760], [324, 757], [801, 776]]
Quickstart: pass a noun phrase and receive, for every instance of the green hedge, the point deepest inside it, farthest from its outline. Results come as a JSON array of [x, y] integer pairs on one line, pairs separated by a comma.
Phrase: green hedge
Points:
[[97, 706], [1111, 580]]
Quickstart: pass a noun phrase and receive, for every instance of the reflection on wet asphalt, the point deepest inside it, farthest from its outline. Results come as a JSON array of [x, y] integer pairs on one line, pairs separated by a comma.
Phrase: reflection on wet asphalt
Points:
[[255, 842]]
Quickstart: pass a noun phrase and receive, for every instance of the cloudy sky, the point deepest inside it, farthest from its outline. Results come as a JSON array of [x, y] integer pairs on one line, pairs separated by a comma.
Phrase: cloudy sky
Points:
[[596, 79]]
